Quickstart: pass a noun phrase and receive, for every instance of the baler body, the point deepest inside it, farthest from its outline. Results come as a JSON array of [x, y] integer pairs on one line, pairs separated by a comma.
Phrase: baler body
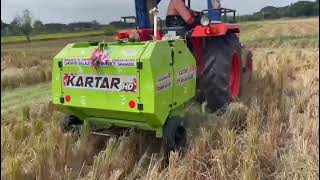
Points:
[[140, 85]]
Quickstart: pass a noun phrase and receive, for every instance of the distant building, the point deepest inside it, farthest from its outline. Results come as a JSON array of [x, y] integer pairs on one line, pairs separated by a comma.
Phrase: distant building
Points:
[[4, 29]]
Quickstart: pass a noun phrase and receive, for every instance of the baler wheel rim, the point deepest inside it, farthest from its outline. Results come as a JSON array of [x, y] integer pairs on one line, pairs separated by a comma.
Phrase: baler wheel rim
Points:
[[235, 75]]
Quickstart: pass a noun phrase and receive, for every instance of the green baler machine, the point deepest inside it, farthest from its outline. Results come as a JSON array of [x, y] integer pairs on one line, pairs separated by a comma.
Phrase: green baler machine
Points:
[[141, 85], [145, 79]]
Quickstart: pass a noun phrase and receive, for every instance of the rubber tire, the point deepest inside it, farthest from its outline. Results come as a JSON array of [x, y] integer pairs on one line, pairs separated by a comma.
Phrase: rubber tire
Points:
[[71, 124], [173, 129], [215, 78]]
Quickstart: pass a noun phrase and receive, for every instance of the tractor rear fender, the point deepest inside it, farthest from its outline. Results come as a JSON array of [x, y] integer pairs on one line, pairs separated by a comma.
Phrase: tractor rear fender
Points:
[[215, 30], [209, 31]]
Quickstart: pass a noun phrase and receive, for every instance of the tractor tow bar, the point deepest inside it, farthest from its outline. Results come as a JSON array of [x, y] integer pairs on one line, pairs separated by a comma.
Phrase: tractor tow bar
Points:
[[101, 134]]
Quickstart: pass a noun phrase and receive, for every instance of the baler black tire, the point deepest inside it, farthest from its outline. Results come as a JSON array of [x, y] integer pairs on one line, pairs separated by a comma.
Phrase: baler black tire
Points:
[[71, 124], [216, 76], [174, 136]]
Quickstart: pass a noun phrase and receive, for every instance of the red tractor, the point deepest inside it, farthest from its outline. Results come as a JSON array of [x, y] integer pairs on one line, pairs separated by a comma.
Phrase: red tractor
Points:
[[224, 66]]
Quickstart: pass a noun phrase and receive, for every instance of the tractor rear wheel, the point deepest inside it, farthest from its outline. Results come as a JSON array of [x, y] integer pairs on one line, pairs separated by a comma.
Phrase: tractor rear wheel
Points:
[[221, 78], [174, 135]]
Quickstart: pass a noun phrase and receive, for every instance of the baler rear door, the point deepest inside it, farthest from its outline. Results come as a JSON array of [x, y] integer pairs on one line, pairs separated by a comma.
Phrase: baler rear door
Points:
[[112, 89]]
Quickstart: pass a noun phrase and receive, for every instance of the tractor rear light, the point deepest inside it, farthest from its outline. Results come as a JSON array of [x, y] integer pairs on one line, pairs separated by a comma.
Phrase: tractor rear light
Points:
[[209, 31], [132, 104], [67, 98]]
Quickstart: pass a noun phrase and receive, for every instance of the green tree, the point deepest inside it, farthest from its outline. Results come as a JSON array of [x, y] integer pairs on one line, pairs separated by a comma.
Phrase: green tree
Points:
[[38, 26], [95, 24], [302, 8], [14, 27], [298, 9], [316, 8], [23, 24]]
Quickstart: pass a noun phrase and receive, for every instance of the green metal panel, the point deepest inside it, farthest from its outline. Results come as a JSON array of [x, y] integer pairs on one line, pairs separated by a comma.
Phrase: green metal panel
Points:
[[95, 122], [185, 73], [101, 102], [156, 82]]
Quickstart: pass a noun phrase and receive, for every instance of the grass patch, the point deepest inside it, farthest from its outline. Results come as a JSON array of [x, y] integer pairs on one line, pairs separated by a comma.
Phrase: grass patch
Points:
[[17, 98], [46, 37], [310, 40]]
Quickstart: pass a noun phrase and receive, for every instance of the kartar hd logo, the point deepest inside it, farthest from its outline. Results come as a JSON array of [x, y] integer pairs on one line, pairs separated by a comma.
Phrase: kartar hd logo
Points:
[[104, 83]]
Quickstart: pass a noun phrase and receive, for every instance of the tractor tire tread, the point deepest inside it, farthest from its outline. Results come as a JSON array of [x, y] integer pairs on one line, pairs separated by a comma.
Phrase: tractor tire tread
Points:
[[216, 75]]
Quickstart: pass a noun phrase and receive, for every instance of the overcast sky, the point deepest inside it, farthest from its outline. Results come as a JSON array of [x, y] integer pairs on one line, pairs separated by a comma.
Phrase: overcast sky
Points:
[[104, 11]]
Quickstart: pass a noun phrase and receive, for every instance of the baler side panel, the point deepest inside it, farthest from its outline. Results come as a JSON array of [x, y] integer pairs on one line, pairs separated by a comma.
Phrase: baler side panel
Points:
[[156, 82], [185, 72]]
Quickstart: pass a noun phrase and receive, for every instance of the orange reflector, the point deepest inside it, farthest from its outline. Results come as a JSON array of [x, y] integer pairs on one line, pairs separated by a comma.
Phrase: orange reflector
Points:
[[214, 30]]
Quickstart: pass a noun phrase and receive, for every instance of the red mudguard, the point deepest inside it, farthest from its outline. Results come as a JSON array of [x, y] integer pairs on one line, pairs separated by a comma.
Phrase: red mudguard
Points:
[[215, 30], [206, 31]]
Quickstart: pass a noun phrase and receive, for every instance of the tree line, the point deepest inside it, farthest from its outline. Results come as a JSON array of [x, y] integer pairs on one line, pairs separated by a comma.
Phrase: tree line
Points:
[[24, 24], [298, 9]]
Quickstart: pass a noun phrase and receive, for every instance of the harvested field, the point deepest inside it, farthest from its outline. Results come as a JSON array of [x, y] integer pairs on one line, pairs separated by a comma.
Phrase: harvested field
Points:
[[30, 63], [269, 133]]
